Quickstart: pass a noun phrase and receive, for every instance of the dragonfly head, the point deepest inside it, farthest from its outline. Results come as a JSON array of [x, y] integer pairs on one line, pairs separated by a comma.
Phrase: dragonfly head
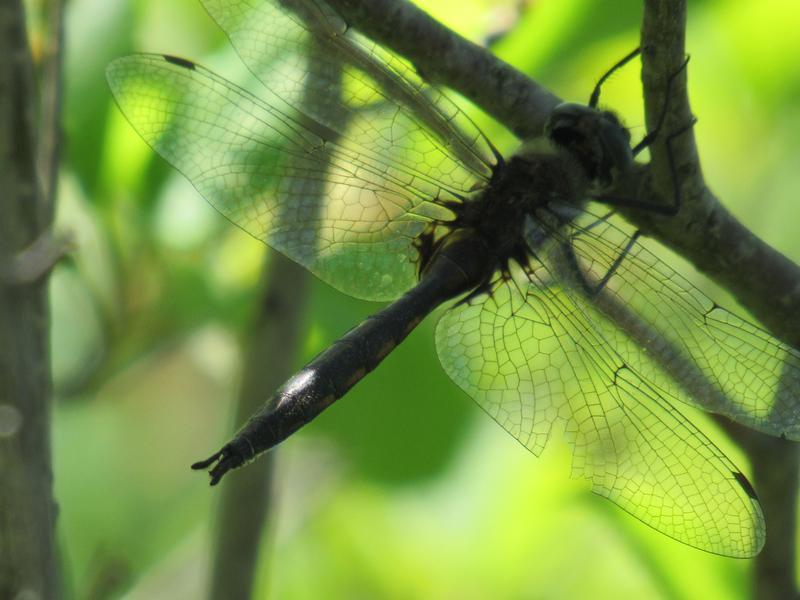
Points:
[[596, 138]]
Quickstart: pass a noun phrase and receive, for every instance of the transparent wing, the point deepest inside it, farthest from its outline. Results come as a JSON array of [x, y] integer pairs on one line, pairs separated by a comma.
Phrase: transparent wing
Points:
[[331, 129], [264, 167], [531, 358], [407, 121], [674, 336]]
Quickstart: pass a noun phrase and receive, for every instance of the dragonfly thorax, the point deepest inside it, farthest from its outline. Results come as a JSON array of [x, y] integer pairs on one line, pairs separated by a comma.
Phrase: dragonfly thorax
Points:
[[541, 174], [583, 152]]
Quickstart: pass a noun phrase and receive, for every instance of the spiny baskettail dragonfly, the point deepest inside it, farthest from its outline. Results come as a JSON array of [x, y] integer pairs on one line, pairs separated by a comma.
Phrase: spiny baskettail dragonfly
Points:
[[560, 316]]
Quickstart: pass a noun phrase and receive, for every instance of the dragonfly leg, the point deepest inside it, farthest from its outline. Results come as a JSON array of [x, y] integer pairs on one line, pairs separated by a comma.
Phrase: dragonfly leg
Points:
[[592, 289], [648, 140], [595, 97], [668, 210], [599, 221]]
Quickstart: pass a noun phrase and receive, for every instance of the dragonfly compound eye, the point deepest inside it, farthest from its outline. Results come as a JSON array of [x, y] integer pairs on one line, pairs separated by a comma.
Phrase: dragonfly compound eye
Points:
[[595, 138]]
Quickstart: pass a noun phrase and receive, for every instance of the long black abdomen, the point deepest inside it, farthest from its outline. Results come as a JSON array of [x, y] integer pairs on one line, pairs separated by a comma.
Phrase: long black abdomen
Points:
[[461, 263]]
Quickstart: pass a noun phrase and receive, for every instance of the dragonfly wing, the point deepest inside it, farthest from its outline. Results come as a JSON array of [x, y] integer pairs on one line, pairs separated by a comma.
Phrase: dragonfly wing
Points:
[[676, 337], [265, 166], [405, 120], [531, 358]]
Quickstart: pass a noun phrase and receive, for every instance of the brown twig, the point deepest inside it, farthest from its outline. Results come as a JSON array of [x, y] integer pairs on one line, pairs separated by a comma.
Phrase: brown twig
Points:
[[442, 56], [35, 261], [761, 278], [731, 249]]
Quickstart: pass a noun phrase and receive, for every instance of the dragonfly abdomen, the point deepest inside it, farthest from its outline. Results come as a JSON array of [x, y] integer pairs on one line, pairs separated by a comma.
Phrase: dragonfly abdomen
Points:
[[459, 265]]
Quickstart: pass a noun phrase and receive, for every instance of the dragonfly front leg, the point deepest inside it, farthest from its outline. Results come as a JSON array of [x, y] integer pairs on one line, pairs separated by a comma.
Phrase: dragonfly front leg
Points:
[[667, 210], [594, 99], [674, 206]]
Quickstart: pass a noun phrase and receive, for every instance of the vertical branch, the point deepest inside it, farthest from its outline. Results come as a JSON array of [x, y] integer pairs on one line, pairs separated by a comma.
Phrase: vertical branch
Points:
[[774, 461], [28, 565], [663, 53], [245, 502], [244, 507]]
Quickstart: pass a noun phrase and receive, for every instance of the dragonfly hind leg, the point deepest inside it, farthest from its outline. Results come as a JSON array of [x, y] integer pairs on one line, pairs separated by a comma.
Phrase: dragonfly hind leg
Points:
[[589, 288], [667, 210]]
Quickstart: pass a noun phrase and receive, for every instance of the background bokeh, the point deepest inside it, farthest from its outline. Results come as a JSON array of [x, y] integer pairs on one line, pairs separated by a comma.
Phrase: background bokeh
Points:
[[404, 489]]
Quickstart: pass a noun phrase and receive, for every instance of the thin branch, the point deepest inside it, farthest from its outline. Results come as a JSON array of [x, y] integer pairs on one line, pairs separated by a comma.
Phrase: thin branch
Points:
[[743, 264], [442, 56], [762, 279], [34, 262], [245, 502], [776, 477]]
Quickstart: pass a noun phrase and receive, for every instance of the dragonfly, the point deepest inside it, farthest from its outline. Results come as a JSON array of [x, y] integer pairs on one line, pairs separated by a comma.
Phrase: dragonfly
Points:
[[559, 317]]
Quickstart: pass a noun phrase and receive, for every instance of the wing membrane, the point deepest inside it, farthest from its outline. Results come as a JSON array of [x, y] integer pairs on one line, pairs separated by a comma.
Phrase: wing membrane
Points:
[[405, 109], [680, 340], [531, 358], [262, 164]]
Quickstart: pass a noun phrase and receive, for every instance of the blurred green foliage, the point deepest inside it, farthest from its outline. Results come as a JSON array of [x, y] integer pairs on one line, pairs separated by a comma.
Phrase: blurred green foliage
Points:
[[403, 489]]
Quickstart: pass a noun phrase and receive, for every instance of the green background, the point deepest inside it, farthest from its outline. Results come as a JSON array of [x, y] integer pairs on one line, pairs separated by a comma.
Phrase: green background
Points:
[[403, 489]]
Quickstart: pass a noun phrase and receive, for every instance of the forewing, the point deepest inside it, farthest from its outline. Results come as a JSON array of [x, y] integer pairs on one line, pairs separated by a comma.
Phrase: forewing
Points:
[[677, 338], [404, 119], [287, 179], [531, 358]]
